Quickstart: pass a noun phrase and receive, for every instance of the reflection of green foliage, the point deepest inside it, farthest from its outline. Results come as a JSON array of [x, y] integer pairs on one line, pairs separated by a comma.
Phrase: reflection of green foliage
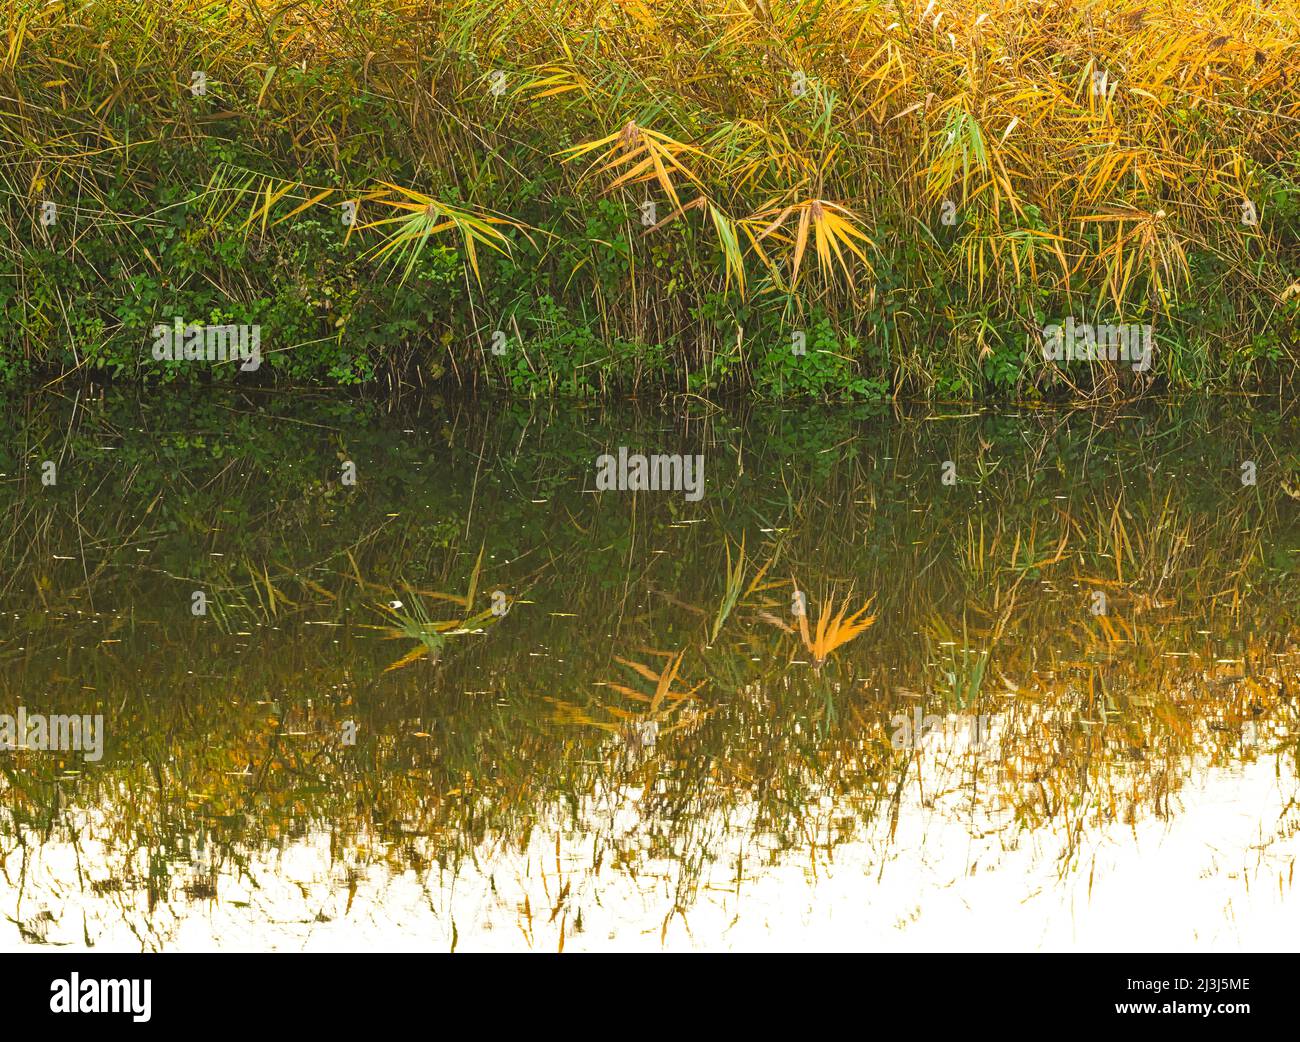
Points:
[[232, 730]]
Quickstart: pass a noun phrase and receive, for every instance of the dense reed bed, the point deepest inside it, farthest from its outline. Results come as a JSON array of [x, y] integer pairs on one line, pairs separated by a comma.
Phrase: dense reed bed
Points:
[[820, 197]]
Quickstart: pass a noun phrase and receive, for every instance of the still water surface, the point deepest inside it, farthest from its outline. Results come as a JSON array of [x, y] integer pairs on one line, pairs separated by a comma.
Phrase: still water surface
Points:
[[897, 679]]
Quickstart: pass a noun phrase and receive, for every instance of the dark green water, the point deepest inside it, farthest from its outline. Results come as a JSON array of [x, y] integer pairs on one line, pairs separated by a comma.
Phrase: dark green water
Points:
[[1105, 598]]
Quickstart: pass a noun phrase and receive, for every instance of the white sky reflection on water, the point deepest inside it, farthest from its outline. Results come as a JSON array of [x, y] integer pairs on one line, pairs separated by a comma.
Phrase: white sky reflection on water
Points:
[[1217, 875]]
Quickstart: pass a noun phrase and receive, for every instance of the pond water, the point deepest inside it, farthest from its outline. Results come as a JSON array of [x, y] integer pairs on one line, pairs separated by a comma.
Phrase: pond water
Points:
[[303, 673]]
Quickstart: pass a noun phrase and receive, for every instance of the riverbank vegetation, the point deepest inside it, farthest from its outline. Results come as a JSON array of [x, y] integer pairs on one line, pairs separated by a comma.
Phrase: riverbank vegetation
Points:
[[834, 198]]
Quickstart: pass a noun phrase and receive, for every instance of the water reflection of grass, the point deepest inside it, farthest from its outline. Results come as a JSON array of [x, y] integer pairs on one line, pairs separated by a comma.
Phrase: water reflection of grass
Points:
[[230, 734]]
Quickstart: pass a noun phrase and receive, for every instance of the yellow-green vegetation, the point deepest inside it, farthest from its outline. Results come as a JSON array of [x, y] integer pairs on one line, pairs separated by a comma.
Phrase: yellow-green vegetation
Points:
[[613, 195]]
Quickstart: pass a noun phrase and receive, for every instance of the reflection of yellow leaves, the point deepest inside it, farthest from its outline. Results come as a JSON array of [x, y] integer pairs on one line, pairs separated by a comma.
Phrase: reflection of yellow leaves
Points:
[[768, 617], [645, 671], [834, 631], [630, 692], [733, 594], [415, 624], [411, 656], [655, 711], [568, 713], [663, 681]]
